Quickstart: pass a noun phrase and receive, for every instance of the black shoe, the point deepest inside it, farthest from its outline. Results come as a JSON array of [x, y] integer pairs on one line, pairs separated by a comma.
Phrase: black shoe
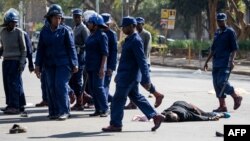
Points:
[[52, 117]]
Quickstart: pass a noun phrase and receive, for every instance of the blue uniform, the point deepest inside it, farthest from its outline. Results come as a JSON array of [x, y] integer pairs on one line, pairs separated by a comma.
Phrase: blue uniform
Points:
[[112, 59], [223, 45], [127, 79], [96, 48], [56, 53]]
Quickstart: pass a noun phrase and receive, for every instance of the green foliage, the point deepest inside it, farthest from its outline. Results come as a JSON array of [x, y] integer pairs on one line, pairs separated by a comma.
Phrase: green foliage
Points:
[[244, 45], [38, 26], [185, 44]]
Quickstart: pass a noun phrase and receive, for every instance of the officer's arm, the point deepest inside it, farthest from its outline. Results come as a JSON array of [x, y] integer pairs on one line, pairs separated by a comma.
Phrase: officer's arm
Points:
[[112, 60], [1, 48], [234, 46], [70, 46], [22, 48]]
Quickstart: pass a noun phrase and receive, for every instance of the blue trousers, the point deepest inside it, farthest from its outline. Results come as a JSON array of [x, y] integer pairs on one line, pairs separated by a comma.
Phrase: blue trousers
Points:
[[57, 78], [119, 101], [76, 82], [107, 80], [43, 86], [13, 84], [96, 87], [220, 80]]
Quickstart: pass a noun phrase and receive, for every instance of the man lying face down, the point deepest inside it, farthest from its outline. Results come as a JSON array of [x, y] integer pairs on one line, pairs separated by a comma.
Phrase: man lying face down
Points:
[[182, 111]]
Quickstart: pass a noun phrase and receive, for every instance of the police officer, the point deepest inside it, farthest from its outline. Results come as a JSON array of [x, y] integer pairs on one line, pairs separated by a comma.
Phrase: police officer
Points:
[[57, 54], [96, 58], [223, 51], [146, 39], [14, 55], [132, 61], [81, 34], [112, 58]]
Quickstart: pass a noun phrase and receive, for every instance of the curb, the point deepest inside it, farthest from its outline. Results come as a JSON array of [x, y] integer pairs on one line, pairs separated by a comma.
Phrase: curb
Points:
[[195, 68]]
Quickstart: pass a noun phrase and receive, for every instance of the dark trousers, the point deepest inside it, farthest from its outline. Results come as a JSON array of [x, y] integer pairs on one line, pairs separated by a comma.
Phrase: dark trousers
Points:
[[96, 87], [57, 78], [119, 101], [76, 82], [220, 80], [13, 84], [43, 86]]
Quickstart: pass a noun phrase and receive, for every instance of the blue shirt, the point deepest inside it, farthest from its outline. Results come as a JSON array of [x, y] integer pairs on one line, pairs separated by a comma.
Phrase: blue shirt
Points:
[[56, 48], [132, 61], [112, 46], [96, 47], [223, 45]]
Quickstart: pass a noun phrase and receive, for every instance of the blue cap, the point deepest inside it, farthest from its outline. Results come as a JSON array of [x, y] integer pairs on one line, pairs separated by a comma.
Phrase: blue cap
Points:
[[140, 20], [126, 21], [77, 11], [106, 17], [221, 17]]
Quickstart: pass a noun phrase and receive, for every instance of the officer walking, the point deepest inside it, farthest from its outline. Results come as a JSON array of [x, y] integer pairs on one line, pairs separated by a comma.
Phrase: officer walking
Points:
[[96, 59], [132, 61], [57, 54], [14, 54], [223, 51], [81, 34], [146, 39], [112, 58]]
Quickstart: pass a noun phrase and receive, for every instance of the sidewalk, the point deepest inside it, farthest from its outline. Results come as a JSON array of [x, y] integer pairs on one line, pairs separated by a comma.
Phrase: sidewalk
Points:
[[241, 67]]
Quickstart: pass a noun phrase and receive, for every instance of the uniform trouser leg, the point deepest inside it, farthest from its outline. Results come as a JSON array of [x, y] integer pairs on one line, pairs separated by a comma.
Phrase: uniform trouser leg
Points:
[[220, 80], [49, 87], [141, 102], [76, 82], [107, 80], [119, 101], [13, 84], [62, 77], [43, 86], [58, 78], [5, 66], [98, 92]]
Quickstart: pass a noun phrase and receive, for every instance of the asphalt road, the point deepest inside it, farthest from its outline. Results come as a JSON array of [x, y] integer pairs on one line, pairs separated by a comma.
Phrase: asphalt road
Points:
[[176, 84]]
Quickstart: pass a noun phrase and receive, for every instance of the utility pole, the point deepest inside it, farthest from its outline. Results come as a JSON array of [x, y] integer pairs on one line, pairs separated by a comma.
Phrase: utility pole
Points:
[[97, 6], [21, 23]]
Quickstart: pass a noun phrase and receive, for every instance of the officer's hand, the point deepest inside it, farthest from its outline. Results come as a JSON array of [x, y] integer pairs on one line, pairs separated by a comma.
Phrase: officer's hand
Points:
[[31, 67], [214, 118], [109, 72], [232, 65], [75, 69], [37, 72], [101, 73], [205, 67], [147, 86], [21, 67]]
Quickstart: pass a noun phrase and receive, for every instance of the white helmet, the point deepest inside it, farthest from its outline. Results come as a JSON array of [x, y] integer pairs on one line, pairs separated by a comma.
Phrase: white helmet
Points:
[[88, 13]]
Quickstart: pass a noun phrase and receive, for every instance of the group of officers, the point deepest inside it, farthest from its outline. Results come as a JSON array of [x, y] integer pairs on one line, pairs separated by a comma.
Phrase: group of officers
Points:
[[64, 54]]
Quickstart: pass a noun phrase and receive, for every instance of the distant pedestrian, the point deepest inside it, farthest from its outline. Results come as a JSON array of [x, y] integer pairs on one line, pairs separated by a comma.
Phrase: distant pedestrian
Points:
[[132, 61], [223, 52], [57, 54]]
